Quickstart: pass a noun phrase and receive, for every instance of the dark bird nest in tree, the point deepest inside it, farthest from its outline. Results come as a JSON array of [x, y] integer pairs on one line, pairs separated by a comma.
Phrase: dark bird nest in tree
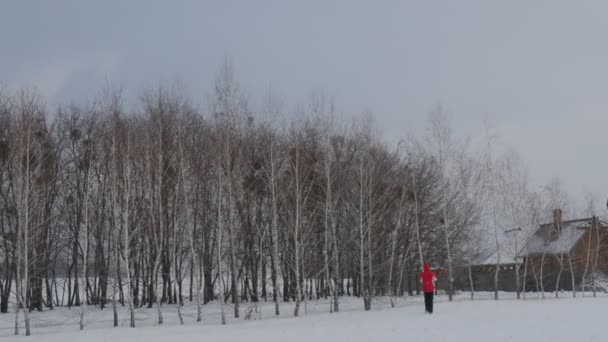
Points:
[[75, 134], [11, 210], [4, 150]]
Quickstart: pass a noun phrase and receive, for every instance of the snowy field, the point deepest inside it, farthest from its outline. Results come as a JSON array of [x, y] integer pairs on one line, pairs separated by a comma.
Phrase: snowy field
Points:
[[555, 320]]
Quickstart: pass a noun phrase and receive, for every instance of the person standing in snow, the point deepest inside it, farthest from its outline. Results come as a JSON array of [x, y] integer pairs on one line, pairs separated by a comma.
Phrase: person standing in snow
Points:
[[428, 279]]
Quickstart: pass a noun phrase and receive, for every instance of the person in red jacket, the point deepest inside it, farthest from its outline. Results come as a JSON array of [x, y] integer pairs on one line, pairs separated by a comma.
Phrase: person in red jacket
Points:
[[428, 279]]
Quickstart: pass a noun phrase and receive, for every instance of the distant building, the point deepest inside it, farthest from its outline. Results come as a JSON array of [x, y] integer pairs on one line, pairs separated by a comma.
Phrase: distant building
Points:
[[570, 246], [483, 269], [566, 245]]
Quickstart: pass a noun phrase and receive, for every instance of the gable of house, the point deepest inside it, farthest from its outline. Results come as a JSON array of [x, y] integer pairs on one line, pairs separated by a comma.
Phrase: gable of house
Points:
[[548, 240]]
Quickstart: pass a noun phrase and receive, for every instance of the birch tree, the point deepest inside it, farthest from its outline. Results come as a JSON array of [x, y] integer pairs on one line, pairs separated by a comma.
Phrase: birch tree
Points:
[[590, 203], [300, 180], [441, 138], [229, 106], [29, 130], [273, 168]]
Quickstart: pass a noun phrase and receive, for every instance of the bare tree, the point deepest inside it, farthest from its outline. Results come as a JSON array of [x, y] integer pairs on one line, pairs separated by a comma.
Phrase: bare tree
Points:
[[373, 190], [557, 200], [220, 228], [186, 136], [517, 207], [595, 224], [229, 106], [30, 131], [300, 181], [590, 201], [85, 248], [273, 170], [441, 138], [403, 193]]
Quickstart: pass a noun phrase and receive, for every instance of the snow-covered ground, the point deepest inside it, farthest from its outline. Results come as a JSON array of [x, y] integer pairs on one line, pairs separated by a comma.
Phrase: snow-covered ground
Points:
[[555, 320]]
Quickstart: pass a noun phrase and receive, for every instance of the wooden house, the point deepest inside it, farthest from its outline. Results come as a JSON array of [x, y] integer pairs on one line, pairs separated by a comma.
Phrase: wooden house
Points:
[[563, 250]]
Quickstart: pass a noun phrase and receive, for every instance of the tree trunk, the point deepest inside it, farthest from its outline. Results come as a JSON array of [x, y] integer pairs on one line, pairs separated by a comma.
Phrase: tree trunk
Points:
[[472, 285]]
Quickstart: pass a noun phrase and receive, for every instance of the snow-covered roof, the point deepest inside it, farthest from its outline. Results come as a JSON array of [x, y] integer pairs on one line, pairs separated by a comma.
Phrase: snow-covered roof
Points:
[[547, 240], [506, 257], [487, 254], [493, 259]]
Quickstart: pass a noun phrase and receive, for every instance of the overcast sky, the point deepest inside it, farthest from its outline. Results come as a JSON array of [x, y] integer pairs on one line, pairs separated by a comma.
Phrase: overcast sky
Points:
[[538, 70]]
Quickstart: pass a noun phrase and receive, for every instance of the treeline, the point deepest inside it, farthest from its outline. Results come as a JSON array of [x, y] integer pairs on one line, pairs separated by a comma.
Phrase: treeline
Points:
[[170, 203]]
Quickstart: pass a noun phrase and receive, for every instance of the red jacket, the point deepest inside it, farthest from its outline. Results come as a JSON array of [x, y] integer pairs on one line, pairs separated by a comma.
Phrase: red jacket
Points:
[[428, 279]]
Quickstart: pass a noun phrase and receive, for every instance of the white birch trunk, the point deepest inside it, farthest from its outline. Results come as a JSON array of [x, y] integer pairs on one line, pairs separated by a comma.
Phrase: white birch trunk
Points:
[[83, 304], [296, 234], [328, 212], [541, 275], [219, 247], [362, 291], [584, 277], [26, 228], [126, 238], [571, 265], [417, 221], [274, 228], [597, 253]]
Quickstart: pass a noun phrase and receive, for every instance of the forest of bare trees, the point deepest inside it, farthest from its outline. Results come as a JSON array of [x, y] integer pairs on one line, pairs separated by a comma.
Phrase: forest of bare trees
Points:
[[103, 206]]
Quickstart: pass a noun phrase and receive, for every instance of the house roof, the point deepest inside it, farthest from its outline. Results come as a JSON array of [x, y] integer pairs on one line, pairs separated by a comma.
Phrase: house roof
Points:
[[506, 258], [548, 240], [488, 254]]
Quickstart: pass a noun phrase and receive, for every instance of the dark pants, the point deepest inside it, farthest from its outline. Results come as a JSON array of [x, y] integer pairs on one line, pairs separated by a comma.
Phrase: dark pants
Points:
[[428, 301]]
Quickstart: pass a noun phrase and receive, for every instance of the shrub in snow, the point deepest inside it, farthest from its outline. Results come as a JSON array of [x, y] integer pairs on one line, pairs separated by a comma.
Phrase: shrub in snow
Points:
[[253, 313], [601, 282]]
